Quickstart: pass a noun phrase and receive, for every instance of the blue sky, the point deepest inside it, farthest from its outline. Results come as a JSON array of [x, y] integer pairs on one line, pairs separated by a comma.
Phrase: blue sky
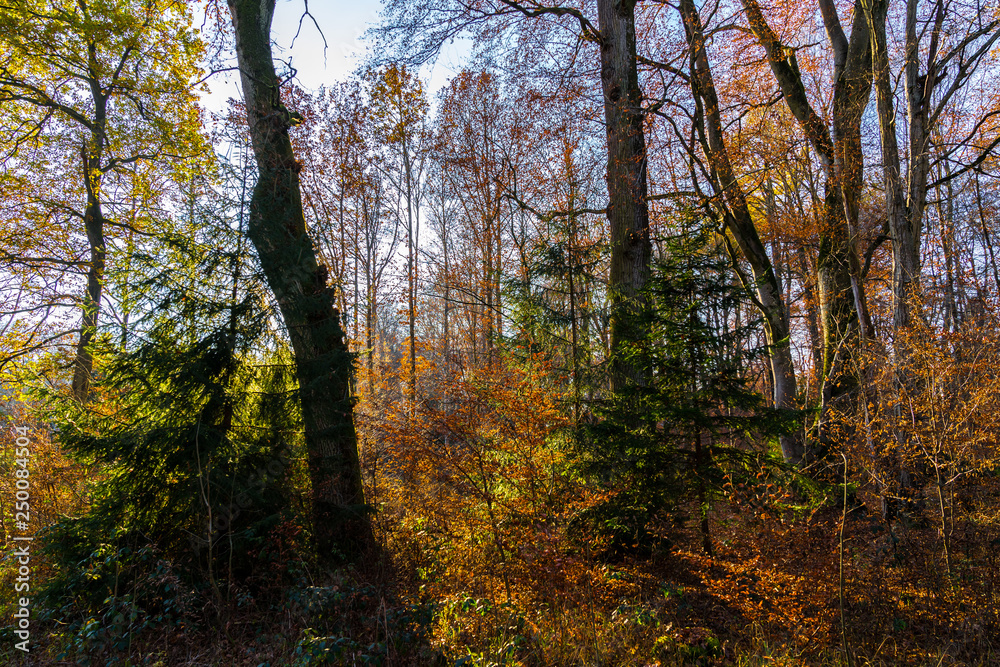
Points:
[[344, 23]]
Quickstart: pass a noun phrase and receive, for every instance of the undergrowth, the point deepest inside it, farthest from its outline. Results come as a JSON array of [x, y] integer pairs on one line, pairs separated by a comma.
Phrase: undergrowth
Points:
[[478, 561]]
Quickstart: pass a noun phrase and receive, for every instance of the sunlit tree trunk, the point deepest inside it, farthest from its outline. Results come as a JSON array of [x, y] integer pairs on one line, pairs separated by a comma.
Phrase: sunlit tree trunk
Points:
[[812, 317], [905, 239], [94, 224], [740, 224], [841, 293], [93, 221]]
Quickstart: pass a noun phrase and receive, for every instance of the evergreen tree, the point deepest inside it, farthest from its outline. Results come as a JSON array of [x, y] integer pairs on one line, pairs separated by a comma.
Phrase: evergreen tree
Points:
[[553, 306], [655, 445], [193, 430]]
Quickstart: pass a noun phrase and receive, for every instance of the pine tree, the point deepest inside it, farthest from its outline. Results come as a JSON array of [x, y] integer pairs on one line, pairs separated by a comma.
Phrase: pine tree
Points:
[[654, 446], [194, 429]]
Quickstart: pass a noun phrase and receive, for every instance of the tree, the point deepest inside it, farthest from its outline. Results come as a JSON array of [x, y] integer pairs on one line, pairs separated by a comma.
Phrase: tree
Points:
[[841, 292], [421, 30], [736, 219], [332, 146], [628, 210], [557, 288], [194, 429], [963, 48], [443, 212], [696, 417], [107, 86], [288, 257], [480, 142], [399, 108], [190, 408]]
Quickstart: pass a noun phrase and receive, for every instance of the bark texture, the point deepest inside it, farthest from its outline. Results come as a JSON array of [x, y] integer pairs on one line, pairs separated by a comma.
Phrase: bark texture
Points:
[[841, 292], [92, 156], [278, 231], [906, 200], [628, 210], [905, 237], [93, 222]]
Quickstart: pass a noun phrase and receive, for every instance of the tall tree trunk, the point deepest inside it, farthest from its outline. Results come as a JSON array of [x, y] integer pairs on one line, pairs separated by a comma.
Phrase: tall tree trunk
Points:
[[740, 223], [986, 232], [628, 210], [571, 278], [841, 292], [904, 252], [852, 84], [342, 269], [357, 295], [278, 231], [946, 226], [498, 278], [370, 319], [91, 156], [411, 276], [94, 224], [905, 207], [807, 275], [447, 284], [489, 271], [812, 318]]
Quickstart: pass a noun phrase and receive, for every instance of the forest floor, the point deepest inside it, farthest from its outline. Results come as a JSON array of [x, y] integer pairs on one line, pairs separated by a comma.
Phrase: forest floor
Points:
[[770, 594]]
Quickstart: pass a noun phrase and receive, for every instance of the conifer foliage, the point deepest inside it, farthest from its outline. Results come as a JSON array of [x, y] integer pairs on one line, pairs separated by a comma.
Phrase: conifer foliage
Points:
[[256, 416], [651, 447], [194, 433]]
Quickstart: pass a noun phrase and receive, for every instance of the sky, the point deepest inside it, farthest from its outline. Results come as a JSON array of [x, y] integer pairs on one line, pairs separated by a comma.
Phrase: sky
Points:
[[343, 23]]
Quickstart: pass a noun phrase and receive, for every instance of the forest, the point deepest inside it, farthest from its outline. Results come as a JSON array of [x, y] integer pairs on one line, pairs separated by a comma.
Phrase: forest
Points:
[[657, 333]]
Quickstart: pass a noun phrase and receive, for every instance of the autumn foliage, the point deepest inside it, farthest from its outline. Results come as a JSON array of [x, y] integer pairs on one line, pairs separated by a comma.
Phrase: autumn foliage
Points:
[[658, 334]]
